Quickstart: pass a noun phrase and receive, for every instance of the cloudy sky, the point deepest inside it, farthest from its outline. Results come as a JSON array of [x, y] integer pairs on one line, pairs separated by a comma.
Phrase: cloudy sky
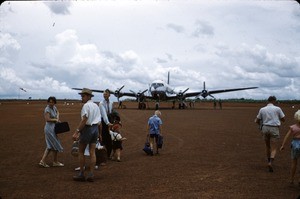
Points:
[[48, 47]]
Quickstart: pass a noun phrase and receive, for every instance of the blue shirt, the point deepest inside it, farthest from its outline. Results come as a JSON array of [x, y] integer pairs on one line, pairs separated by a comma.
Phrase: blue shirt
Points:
[[154, 122]]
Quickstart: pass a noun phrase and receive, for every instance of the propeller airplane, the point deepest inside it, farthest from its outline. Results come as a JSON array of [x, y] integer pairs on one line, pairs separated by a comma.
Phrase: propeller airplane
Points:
[[162, 91]]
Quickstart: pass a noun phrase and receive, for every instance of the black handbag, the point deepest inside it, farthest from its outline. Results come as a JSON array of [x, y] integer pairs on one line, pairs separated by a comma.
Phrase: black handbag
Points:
[[61, 127], [147, 148], [160, 141]]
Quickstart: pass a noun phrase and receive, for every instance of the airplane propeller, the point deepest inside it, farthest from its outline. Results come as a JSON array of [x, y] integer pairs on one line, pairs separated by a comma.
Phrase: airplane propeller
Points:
[[180, 95], [204, 93], [117, 93], [139, 95]]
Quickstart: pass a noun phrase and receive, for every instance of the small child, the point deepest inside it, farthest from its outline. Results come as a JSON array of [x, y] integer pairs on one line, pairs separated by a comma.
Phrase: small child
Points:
[[294, 132], [117, 139]]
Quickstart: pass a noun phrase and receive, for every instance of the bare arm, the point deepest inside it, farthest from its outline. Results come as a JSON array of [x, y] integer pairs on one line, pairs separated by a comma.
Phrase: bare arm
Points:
[[82, 123], [79, 128], [49, 119], [285, 139], [257, 121]]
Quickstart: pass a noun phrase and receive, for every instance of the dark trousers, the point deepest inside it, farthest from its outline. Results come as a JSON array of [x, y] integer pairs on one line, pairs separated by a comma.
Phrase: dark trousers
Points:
[[106, 138]]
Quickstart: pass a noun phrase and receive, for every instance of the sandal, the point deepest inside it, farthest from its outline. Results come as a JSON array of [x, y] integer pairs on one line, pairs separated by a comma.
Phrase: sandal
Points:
[[43, 164]]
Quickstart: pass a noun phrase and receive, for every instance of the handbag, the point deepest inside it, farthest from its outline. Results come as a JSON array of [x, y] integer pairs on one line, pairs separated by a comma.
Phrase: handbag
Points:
[[75, 149], [160, 141], [147, 148], [61, 127]]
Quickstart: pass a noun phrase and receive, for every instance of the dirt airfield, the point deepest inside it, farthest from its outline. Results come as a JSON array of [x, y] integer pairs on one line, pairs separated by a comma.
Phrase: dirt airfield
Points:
[[207, 154]]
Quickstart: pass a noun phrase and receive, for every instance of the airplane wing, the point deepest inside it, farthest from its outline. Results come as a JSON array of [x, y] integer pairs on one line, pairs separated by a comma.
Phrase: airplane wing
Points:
[[204, 93], [97, 91], [117, 93]]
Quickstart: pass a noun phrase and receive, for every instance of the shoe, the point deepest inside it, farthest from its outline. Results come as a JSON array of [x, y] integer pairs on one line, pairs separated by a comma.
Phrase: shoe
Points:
[[79, 177], [43, 164], [270, 168], [96, 167], [90, 178], [78, 168], [58, 164], [118, 160]]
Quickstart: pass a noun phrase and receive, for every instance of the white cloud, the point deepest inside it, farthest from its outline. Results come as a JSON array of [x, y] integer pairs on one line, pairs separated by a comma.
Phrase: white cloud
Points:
[[107, 44], [9, 48]]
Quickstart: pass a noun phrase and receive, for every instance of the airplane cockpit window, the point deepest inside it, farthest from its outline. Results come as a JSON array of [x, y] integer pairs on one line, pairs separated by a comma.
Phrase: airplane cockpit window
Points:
[[156, 85]]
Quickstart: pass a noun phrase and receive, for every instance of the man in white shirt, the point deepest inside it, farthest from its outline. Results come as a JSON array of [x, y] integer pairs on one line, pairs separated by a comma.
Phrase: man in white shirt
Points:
[[87, 133], [106, 107], [270, 118]]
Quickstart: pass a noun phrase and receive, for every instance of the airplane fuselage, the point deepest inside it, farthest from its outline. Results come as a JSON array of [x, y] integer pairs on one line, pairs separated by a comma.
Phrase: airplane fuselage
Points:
[[160, 90]]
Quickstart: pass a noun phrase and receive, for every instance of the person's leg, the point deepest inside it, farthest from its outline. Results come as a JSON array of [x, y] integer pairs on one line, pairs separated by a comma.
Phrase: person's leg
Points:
[[92, 162], [293, 169], [108, 143], [42, 162], [156, 143], [46, 153], [270, 152], [55, 160], [118, 154], [151, 142], [106, 138], [93, 157], [113, 156], [268, 148], [55, 156], [82, 157], [273, 149]]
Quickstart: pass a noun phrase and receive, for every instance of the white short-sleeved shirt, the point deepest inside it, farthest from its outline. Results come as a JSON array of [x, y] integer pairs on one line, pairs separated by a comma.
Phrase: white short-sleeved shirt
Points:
[[270, 115], [92, 112]]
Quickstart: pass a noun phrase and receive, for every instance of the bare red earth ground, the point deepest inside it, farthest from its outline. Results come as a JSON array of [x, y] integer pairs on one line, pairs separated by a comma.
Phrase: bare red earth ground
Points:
[[207, 154]]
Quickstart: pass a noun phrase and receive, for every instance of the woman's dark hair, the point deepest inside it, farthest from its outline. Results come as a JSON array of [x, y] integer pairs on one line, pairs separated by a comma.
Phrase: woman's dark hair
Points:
[[52, 98]]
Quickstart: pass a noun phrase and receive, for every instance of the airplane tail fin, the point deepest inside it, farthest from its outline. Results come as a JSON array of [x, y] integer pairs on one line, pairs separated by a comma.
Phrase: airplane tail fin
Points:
[[204, 86], [168, 78]]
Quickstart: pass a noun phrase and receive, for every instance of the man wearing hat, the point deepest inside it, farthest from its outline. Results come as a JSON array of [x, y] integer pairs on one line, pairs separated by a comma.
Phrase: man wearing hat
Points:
[[87, 133]]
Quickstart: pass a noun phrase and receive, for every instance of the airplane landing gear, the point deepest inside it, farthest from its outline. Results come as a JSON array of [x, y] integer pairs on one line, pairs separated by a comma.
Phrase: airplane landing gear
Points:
[[156, 106], [142, 105], [181, 105]]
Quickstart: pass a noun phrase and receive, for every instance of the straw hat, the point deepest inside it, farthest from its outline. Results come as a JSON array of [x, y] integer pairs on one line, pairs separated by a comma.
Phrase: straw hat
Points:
[[86, 91]]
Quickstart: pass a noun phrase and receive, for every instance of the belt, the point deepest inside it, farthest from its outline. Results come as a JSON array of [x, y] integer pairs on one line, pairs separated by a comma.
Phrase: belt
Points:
[[89, 125], [271, 125]]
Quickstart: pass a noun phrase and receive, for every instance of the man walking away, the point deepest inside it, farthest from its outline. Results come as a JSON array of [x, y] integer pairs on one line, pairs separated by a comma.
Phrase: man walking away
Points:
[[270, 117]]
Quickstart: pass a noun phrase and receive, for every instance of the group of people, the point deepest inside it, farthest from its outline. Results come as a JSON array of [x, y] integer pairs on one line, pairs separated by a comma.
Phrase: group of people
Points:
[[98, 124], [95, 119], [269, 119]]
